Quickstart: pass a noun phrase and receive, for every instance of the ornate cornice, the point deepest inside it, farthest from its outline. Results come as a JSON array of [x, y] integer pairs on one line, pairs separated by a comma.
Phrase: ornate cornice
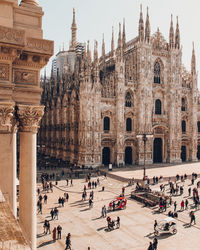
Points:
[[12, 36], [6, 114], [29, 117], [40, 46]]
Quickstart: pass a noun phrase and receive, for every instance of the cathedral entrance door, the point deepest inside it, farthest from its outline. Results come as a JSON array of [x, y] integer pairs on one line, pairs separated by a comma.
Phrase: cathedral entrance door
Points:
[[128, 156], [106, 156], [198, 152], [157, 150], [183, 153]]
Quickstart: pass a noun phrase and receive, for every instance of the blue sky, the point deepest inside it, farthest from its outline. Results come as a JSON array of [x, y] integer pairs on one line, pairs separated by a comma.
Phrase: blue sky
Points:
[[95, 17]]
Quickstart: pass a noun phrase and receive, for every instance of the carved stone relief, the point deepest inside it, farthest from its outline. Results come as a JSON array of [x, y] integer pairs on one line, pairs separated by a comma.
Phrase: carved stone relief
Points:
[[4, 71], [25, 77]]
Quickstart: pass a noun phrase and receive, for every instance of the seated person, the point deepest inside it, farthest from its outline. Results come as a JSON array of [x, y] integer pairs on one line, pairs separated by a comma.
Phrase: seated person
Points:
[[170, 213], [166, 228], [175, 215], [113, 223]]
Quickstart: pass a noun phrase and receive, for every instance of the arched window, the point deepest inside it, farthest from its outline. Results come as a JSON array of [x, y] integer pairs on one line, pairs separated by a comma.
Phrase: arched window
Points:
[[198, 126], [183, 126], [183, 104], [157, 72], [128, 102], [128, 124], [158, 107], [106, 123]]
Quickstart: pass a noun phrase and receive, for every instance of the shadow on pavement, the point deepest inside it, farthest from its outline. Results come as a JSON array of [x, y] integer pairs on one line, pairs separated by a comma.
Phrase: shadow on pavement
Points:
[[101, 228], [45, 243]]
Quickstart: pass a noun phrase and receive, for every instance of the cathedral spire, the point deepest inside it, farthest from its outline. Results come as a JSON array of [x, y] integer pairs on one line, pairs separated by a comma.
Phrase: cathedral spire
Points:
[[141, 26], [88, 52], [95, 51], [73, 29], [147, 27], [119, 37], [177, 36], [124, 35], [193, 62], [171, 34], [112, 42], [103, 47]]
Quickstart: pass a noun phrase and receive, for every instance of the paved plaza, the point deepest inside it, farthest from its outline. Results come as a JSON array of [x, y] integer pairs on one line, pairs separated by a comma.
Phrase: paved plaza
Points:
[[87, 227]]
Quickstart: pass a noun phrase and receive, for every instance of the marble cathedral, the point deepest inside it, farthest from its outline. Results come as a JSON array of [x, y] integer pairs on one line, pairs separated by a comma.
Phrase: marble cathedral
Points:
[[136, 103]]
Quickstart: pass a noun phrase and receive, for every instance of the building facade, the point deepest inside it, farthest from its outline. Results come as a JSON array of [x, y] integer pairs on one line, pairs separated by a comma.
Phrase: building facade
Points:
[[136, 103]]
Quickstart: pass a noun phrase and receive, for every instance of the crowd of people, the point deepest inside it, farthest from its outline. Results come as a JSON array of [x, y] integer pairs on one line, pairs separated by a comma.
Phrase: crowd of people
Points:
[[175, 188]]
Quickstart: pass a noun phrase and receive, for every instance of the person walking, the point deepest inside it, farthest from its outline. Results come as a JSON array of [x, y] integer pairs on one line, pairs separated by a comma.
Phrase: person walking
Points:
[[68, 241], [186, 204], [105, 211], [192, 216], [182, 205], [155, 243], [59, 230], [48, 227], [102, 212], [67, 197], [52, 213], [55, 213], [45, 199], [118, 221], [150, 246], [175, 204], [123, 190], [54, 234], [189, 191], [90, 203], [155, 225]]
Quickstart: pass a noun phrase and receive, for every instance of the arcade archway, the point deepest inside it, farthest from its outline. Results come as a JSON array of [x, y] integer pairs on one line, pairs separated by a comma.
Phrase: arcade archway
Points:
[[157, 150], [106, 156], [183, 153], [128, 156]]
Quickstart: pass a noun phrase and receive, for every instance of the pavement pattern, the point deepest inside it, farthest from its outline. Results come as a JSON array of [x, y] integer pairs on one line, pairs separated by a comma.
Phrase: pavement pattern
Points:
[[88, 228]]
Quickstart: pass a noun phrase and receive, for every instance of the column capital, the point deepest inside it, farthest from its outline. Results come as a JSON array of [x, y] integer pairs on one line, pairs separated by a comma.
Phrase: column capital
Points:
[[6, 115], [29, 117]]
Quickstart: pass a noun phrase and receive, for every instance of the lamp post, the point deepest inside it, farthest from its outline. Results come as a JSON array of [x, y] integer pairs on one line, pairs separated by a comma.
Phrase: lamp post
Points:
[[144, 137]]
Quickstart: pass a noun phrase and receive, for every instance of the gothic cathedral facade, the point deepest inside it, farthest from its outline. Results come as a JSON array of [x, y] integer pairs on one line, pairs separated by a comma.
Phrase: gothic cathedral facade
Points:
[[135, 104]]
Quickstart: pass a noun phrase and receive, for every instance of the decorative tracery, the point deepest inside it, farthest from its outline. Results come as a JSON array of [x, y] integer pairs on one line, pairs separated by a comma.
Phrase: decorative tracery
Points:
[[157, 72], [128, 102]]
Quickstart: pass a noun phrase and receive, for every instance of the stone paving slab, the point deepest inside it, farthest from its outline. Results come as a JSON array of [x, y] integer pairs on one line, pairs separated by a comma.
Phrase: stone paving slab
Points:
[[87, 228]]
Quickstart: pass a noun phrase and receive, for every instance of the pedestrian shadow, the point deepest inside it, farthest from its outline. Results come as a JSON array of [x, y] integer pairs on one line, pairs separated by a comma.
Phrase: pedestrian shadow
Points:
[[186, 225], [45, 243], [156, 212], [80, 205], [180, 211], [41, 235], [86, 209], [75, 202], [100, 217], [150, 235], [101, 228]]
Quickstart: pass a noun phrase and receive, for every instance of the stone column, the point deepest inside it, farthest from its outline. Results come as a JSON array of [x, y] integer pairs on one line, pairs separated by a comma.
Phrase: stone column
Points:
[[8, 154], [29, 117]]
